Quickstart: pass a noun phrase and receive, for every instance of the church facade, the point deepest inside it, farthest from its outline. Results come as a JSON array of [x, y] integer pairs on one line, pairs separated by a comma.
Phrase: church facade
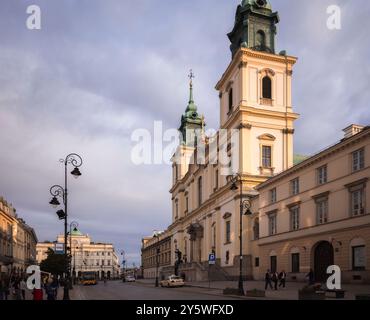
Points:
[[287, 226]]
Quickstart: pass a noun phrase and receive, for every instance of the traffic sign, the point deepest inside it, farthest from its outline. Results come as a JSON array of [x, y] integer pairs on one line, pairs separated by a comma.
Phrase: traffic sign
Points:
[[59, 248], [212, 259]]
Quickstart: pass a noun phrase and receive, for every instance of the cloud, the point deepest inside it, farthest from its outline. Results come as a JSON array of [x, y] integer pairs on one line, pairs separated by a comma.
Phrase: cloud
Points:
[[100, 69]]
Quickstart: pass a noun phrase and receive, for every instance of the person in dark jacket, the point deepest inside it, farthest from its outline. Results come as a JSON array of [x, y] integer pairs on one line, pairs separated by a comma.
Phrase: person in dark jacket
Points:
[[268, 280], [275, 280], [311, 277], [282, 278]]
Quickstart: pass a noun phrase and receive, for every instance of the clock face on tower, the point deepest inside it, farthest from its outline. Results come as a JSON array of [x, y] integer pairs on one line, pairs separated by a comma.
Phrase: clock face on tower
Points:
[[261, 3]]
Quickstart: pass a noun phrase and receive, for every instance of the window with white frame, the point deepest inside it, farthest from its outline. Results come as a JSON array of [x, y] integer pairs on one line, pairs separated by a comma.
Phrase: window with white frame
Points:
[[358, 201], [358, 258], [322, 206], [358, 160], [294, 186], [266, 156], [272, 224], [228, 232], [294, 218], [322, 175]]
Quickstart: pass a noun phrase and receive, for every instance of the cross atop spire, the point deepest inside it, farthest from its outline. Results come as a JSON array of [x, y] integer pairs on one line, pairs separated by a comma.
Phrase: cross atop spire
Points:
[[191, 77]]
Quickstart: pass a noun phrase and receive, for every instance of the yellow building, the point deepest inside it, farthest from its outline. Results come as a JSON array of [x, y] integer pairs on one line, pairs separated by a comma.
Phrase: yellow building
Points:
[[255, 140], [86, 255], [316, 214], [17, 241]]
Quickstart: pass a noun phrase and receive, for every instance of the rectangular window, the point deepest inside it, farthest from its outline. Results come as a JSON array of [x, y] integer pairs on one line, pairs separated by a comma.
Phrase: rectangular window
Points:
[[295, 263], [358, 202], [272, 225], [294, 218], [266, 157], [187, 204], [228, 232], [294, 186], [359, 258], [273, 197], [257, 262], [322, 175], [273, 263], [358, 160], [322, 211]]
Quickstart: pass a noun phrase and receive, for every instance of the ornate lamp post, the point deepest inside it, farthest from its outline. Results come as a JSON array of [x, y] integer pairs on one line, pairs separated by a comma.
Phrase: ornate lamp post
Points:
[[123, 253], [73, 227], [158, 251], [245, 206], [58, 191]]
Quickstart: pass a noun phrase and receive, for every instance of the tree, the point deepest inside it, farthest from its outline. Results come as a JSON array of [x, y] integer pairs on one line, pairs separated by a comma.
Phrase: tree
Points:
[[55, 264]]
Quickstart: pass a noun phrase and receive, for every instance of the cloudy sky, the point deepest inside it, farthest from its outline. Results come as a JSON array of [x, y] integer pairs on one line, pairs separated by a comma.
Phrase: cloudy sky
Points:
[[99, 69]]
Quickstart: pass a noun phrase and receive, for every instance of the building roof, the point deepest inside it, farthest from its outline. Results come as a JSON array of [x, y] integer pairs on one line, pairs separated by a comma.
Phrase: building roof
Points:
[[317, 157]]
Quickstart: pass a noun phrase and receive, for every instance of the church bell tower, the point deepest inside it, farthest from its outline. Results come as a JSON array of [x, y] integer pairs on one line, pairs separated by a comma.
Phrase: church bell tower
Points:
[[256, 93]]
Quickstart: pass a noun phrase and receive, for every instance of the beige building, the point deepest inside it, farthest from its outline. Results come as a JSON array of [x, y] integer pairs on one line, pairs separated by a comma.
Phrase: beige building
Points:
[[86, 255], [156, 255], [316, 214], [257, 112], [17, 241]]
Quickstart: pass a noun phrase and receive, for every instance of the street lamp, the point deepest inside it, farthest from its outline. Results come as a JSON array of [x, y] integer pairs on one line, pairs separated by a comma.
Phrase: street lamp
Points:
[[245, 206], [123, 253], [58, 191], [158, 251], [73, 225]]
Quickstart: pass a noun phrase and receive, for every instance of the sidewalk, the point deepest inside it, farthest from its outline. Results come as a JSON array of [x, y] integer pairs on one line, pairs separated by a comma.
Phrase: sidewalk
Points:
[[290, 293]]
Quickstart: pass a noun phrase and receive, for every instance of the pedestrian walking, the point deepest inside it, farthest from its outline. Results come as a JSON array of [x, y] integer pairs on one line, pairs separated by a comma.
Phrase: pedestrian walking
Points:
[[54, 287], [275, 280], [282, 278], [105, 281], [311, 278], [50, 293], [268, 280], [23, 285], [17, 290]]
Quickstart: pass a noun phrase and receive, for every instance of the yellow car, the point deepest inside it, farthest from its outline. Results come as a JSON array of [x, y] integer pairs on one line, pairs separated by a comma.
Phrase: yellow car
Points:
[[172, 282]]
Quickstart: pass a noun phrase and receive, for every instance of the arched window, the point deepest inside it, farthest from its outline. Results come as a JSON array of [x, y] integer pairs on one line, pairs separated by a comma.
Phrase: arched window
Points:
[[266, 88], [260, 39], [200, 192], [231, 98]]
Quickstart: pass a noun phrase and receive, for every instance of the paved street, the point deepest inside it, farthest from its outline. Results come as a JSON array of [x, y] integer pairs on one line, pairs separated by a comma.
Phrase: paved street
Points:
[[118, 290]]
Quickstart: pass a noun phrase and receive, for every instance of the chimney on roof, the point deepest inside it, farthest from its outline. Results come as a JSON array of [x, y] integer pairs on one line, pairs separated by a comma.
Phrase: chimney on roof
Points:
[[352, 130]]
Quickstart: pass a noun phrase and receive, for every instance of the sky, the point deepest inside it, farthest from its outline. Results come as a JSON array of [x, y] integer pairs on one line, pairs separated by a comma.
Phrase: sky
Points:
[[100, 69]]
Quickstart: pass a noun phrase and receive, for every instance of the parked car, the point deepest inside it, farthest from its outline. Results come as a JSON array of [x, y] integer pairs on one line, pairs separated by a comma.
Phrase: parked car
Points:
[[173, 281], [130, 278]]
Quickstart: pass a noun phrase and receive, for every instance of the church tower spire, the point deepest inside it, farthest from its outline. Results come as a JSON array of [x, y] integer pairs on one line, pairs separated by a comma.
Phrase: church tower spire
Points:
[[255, 27], [191, 121]]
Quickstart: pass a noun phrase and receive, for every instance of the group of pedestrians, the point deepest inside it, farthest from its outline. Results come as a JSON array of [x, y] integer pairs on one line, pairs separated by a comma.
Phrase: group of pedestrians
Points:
[[278, 279], [13, 288]]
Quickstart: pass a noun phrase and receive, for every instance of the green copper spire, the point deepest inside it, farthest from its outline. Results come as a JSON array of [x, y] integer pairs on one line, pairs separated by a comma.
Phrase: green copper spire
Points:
[[191, 106], [191, 120]]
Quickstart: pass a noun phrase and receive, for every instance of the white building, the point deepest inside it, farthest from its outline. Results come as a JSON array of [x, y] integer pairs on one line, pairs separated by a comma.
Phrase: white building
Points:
[[86, 255]]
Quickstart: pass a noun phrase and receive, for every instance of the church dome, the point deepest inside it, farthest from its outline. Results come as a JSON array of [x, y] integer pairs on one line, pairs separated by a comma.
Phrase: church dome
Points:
[[257, 3]]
